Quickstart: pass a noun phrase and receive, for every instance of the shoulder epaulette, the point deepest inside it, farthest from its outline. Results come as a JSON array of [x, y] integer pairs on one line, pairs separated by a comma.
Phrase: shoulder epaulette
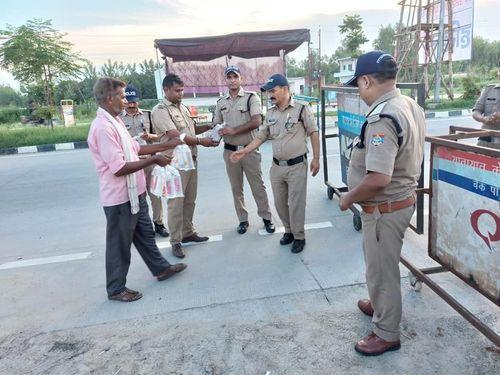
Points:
[[374, 115]]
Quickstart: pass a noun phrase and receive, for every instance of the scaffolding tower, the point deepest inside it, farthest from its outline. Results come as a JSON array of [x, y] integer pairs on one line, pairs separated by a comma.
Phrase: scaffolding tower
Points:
[[417, 48]]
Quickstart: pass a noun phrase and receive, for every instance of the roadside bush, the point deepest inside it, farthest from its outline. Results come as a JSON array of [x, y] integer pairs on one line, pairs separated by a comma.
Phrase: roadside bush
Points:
[[45, 112], [455, 104], [471, 88], [85, 110], [34, 136], [9, 115]]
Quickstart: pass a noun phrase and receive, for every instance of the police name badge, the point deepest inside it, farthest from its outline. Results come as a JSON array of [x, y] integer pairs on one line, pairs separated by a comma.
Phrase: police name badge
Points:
[[377, 139]]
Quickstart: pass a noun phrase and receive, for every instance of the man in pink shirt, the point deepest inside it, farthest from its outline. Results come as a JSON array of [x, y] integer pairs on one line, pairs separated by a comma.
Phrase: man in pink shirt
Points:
[[122, 188]]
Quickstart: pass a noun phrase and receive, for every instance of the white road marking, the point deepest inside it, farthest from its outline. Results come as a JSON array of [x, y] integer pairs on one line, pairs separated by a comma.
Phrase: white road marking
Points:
[[165, 244], [323, 224], [47, 260]]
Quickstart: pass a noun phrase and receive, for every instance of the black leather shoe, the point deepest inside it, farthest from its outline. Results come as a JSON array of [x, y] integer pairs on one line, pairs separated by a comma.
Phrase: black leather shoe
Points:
[[178, 251], [298, 246], [161, 230], [286, 239], [269, 226], [242, 228]]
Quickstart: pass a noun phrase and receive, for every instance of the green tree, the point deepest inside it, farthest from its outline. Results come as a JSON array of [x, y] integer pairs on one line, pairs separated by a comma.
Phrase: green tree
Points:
[[385, 40], [10, 97], [69, 90], [35, 92], [354, 36], [142, 76], [471, 88], [114, 69], [296, 68], [35, 52]]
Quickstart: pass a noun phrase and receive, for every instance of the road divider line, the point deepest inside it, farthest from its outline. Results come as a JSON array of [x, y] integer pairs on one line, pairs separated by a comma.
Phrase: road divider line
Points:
[[47, 260], [321, 225], [165, 244]]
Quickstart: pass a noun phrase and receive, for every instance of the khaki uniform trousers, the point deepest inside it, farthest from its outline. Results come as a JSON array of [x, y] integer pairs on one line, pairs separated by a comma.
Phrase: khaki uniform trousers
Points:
[[181, 210], [156, 202], [250, 166], [382, 242], [289, 184]]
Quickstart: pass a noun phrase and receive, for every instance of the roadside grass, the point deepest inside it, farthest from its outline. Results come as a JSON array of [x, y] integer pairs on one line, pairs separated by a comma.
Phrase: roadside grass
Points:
[[451, 105], [18, 135]]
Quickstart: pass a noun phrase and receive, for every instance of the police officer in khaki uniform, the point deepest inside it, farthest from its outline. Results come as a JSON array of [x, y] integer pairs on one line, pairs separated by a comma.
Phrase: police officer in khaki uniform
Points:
[[171, 119], [487, 111], [240, 111], [288, 123], [383, 172], [138, 125]]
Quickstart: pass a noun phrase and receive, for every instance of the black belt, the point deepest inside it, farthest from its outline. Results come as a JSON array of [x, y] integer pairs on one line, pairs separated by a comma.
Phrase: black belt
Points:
[[289, 162], [229, 147]]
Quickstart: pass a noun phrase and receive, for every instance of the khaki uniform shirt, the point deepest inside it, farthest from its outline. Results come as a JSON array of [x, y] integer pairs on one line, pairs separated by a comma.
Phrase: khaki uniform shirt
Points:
[[287, 133], [489, 103], [236, 112], [168, 116], [382, 154], [136, 124]]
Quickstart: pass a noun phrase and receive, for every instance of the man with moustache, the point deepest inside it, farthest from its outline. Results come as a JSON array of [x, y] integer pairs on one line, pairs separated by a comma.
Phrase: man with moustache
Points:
[[288, 124], [171, 119], [384, 168], [122, 188], [241, 113]]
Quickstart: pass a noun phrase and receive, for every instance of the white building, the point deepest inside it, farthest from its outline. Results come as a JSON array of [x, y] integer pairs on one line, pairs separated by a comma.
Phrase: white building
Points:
[[297, 85], [347, 68]]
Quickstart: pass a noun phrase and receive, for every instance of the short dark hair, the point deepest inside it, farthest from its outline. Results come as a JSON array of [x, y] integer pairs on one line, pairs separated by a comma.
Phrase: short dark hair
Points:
[[104, 88], [388, 72], [171, 79]]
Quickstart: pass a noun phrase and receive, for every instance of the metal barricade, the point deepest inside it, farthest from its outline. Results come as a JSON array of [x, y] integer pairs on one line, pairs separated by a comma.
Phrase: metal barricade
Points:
[[464, 219]]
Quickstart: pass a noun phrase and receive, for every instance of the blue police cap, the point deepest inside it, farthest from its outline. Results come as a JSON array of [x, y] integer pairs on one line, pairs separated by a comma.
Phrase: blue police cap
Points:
[[131, 94], [232, 69], [371, 63], [273, 81]]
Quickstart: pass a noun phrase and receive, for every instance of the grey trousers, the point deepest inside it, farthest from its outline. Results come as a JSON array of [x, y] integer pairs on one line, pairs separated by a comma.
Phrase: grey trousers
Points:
[[122, 230], [382, 242]]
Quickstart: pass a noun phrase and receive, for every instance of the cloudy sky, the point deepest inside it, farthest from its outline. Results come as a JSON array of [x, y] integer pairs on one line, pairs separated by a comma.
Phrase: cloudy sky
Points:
[[125, 30]]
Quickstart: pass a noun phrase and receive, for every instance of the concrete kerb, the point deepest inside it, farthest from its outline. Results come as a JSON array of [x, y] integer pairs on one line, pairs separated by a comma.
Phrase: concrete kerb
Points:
[[44, 148], [453, 113]]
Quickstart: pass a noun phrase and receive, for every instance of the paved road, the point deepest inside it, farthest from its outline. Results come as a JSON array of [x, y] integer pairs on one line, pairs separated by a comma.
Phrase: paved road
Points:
[[245, 304]]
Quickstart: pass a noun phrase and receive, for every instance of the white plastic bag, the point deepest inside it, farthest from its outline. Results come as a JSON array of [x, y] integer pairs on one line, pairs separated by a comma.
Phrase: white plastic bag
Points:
[[166, 182], [182, 158], [213, 133]]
